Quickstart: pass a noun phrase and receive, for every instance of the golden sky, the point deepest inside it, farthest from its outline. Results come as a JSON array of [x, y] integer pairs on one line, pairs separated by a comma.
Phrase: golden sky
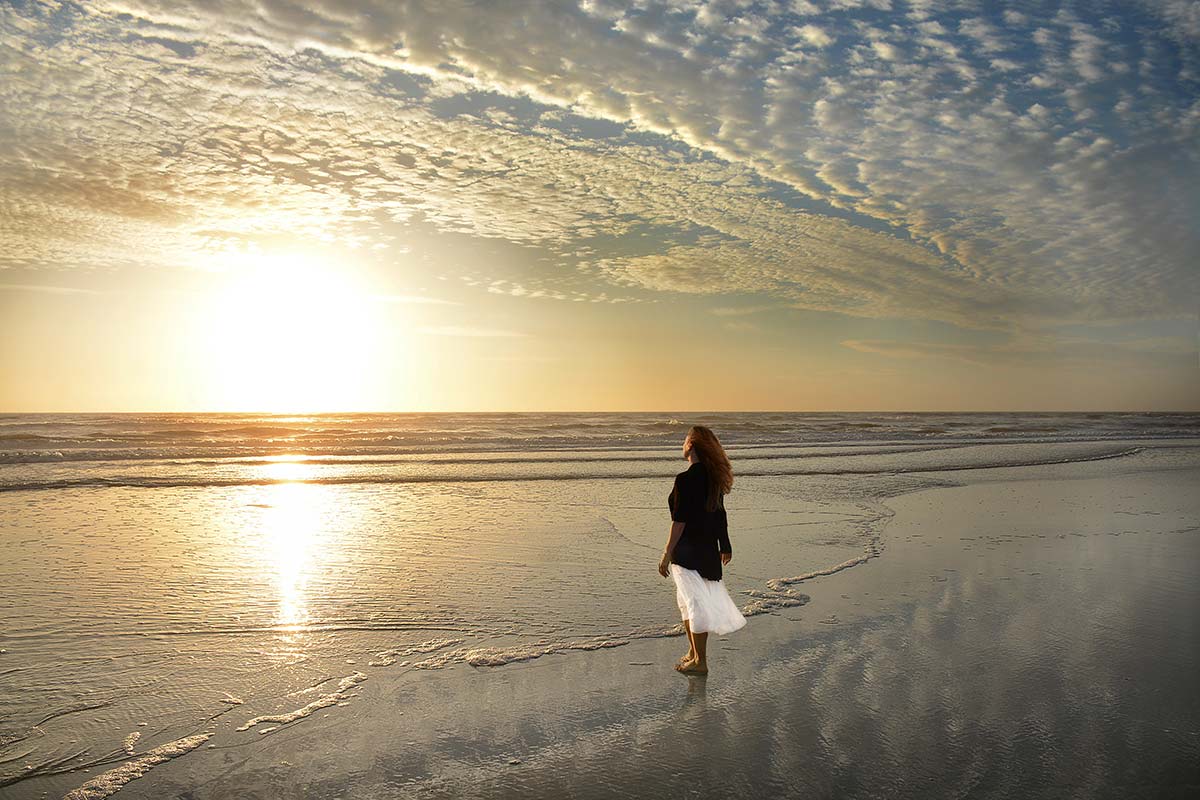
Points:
[[828, 206]]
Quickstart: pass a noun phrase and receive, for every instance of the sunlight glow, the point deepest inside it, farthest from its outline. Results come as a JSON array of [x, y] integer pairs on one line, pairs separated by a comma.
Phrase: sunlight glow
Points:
[[287, 334], [285, 469]]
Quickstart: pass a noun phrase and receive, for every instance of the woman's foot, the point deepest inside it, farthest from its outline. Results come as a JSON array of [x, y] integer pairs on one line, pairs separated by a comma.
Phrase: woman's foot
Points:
[[693, 668], [684, 659]]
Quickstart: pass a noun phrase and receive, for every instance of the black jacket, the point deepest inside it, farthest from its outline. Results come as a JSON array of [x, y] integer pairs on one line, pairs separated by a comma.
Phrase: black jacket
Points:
[[705, 533]]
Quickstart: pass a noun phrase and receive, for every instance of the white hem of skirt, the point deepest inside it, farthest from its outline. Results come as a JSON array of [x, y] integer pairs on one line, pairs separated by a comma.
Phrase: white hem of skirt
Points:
[[705, 603]]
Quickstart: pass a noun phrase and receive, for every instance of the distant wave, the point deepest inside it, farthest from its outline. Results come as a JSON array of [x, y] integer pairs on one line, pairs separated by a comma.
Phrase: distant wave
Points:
[[370, 457], [483, 452], [378, 478]]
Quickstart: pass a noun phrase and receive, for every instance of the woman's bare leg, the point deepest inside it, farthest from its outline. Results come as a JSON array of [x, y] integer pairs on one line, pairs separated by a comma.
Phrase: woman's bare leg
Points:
[[691, 653], [700, 645]]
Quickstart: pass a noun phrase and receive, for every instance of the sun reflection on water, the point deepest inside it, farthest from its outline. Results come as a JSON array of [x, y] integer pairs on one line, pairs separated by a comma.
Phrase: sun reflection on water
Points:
[[286, 468], [292, 541]]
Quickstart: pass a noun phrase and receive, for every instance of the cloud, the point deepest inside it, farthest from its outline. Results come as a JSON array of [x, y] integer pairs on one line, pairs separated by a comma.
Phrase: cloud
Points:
[[458, 330], [740, 326], [542, 289], [730, 311], [41, 289], [1040, 350], [994, 170], [814, 35], [415, 299], [912, 350]]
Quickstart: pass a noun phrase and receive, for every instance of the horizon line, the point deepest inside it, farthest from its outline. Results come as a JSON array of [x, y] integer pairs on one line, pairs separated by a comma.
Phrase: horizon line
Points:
[[615, 411]]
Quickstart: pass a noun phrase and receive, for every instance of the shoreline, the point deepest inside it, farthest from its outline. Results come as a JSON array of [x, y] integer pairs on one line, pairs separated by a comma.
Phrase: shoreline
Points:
[[457, 730]]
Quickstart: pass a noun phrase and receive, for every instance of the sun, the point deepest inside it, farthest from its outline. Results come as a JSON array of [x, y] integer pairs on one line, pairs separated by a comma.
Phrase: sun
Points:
[[290, 335]]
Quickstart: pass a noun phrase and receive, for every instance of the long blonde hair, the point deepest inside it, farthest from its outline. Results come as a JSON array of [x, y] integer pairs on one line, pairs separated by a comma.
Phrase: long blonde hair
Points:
[[720, 473]]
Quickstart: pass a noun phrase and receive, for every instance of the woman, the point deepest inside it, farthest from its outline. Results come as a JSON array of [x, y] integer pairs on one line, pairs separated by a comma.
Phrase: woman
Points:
[[699, 545]]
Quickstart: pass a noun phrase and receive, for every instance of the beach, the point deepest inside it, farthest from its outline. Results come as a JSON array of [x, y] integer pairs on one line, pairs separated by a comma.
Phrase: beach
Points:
[[1021, 627], [1009, 655]]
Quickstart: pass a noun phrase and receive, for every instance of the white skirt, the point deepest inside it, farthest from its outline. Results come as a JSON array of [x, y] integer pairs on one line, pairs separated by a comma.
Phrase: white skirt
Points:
[[706, 603]]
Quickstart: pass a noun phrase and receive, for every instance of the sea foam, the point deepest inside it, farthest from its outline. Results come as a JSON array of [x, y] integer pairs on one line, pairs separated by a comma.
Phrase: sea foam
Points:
[[324, 701], [109, 782]]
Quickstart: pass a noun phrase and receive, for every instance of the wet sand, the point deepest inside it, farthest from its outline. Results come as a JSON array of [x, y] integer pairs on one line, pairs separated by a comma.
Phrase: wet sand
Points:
[[1024, 638]]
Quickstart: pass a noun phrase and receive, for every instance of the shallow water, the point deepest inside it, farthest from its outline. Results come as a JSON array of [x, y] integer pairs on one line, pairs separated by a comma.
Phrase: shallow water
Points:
[[149, 595], [1022, 636]]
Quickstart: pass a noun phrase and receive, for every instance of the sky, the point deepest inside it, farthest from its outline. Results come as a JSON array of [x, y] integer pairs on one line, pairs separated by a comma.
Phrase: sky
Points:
[[357, 205]]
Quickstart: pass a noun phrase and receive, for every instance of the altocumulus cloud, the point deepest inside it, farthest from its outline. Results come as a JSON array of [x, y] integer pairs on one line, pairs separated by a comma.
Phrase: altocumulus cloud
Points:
[[991, 168]]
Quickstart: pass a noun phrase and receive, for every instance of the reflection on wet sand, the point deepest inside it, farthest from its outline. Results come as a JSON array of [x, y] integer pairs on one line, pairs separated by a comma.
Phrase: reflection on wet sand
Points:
[[1010, 644]]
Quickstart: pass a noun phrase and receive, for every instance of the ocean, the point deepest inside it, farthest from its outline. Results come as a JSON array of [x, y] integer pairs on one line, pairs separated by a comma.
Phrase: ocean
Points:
[[163, 574]]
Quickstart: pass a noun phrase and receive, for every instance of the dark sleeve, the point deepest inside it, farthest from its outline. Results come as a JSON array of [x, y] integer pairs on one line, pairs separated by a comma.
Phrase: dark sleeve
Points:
[[686, 499], [723, 534]]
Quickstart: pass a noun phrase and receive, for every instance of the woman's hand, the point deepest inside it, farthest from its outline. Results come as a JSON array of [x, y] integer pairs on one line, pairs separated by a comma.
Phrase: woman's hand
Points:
[[664, 565], [726, 558]]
